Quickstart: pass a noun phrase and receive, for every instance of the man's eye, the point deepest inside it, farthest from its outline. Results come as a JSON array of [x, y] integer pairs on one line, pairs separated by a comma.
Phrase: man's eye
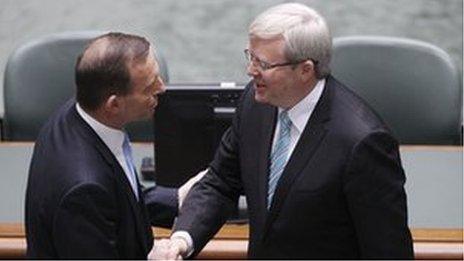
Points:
[[264, 65]]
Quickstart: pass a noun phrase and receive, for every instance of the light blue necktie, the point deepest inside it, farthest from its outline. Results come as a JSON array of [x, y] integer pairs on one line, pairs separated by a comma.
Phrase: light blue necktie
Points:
[[127, 150], [279, 155]]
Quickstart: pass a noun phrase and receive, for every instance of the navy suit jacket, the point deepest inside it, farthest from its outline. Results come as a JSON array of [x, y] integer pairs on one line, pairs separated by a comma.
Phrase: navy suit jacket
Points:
[[340, 196], [79, 203]]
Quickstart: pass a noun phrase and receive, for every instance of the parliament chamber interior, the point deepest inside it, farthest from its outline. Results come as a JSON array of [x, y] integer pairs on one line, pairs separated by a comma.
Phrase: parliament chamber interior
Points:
[[403, 57]]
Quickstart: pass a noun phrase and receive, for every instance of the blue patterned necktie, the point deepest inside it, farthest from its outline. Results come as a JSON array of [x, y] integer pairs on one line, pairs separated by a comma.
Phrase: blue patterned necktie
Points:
[[279, 155], [127, 150]]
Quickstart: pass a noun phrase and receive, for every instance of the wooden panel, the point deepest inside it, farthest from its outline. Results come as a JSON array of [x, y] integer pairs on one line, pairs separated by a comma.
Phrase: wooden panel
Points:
[[12, 248], [224, 249], [231, 242], [226, 232], [431, 148], [418, 234], [445, 251], [437, 235], [236, 249], [12, 230]]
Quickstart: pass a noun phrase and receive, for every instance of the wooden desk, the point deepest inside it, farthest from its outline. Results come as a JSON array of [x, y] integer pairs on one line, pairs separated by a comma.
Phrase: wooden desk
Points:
[[232, 240]]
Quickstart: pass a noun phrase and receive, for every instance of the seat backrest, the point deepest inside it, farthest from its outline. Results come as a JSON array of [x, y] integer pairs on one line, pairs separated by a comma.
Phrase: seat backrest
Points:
[[39, 77], [413, 85]]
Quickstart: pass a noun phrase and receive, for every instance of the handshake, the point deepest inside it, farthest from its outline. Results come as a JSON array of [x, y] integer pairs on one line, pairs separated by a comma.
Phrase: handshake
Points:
[[174, 248], [178, 246]]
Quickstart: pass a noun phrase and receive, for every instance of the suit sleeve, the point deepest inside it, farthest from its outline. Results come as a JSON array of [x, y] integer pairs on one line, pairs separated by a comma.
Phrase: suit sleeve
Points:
[[374, 189], [84, 226], [162, 205], [212, 199]]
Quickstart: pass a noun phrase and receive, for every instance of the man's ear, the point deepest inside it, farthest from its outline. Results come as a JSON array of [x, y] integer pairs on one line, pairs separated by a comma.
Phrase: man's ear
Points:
[[113, 104], [308, 70], [309, 66]]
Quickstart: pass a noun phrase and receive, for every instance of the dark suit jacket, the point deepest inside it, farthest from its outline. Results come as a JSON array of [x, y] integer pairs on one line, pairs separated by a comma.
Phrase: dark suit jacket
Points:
[[79, 203], [340, 196]]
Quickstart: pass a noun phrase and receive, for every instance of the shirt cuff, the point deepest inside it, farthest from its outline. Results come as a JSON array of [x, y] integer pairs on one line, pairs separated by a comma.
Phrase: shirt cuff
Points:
[[184, 235]]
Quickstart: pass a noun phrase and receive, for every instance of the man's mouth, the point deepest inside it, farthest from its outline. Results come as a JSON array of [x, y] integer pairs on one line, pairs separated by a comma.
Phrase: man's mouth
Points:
[[155, 103], [260, 86]]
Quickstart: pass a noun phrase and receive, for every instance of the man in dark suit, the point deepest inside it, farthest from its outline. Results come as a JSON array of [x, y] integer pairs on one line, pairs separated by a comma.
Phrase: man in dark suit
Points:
[[320, 170], [83, 195]]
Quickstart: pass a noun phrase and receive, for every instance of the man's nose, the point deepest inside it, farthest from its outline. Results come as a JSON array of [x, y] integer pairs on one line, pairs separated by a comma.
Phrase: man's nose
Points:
[[252, 71], [160, 87]]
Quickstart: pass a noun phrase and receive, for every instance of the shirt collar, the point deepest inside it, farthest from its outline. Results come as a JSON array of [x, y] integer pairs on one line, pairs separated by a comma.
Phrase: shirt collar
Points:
[[300, 113], [113, 138]]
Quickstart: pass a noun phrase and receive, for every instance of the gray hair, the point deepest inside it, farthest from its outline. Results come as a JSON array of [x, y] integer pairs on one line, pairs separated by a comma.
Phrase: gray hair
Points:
[[304, 31]]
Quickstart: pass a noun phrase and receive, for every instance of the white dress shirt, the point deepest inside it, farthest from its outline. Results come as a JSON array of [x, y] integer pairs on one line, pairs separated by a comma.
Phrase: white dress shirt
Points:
[[113, 139], [299, 116]]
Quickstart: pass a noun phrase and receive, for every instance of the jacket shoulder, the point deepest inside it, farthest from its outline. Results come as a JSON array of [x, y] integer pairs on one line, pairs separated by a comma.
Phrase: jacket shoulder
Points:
[[351, 115]]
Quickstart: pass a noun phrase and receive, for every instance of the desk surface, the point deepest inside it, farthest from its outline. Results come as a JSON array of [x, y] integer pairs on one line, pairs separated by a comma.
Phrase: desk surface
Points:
[[434, 183]]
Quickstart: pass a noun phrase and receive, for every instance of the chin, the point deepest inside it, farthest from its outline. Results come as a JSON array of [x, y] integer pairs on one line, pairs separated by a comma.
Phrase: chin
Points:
[[145, 117], [149, 116], [260, 98]]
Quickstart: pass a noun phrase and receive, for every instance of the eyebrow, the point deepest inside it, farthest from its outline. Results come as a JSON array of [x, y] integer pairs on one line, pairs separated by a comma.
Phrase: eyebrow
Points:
[[258, 58]]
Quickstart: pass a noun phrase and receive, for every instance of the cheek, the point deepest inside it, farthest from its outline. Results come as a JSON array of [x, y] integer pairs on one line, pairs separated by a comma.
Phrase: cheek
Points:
[[140, 103], [270, 81], [143, 99], [277, 84]]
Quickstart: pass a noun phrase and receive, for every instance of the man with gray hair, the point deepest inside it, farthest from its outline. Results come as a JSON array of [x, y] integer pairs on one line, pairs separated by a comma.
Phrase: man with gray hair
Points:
[[320, 170]]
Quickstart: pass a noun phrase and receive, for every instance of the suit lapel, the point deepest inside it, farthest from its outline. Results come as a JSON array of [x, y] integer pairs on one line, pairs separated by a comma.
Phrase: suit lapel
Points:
[[267, 125], [307, 145], [137, 211], [92, 137]]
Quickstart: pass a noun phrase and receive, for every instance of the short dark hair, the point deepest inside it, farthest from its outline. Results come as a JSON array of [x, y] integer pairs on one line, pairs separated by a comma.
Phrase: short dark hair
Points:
[[103, 67]]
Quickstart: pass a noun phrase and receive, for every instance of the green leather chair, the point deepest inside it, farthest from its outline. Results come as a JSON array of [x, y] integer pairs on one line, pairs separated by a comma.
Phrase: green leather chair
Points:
[[413, 85], [39, 77]]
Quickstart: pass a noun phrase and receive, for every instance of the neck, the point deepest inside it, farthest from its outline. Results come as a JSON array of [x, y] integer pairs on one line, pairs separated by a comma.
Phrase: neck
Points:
[[304, 90], [105, 118]]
